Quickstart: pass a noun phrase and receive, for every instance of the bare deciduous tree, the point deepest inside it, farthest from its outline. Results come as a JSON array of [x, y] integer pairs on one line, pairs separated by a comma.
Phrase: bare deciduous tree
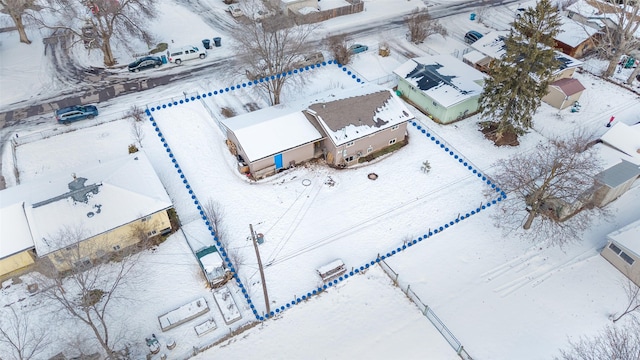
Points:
[[549, 189], [337, 45], [615, 342], [90, 286], [17, 9], [136, 113], [22, 335], [618, 31], [270, 47], [421, 26], [632, 290], [106, 20], [137, 132]]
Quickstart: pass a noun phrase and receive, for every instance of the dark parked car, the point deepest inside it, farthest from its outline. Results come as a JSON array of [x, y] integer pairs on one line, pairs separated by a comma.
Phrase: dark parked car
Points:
[[145, 63], [472, 36], [358, 48], [75, 113]]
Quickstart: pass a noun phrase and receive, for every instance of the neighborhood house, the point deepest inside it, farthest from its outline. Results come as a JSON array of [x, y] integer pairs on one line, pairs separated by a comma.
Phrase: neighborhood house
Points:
[[73, 219], [441, 86], [341, 127]]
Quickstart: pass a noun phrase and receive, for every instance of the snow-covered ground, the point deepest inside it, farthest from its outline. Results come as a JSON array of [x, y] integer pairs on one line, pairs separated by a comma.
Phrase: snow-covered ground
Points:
[[502, 297]]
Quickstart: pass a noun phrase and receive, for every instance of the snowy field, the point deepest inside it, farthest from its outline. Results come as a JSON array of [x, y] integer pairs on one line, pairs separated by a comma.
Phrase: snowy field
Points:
[[502, 297]]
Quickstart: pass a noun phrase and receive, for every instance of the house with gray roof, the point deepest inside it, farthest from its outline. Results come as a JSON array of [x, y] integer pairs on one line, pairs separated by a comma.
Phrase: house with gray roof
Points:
[[441, 86]]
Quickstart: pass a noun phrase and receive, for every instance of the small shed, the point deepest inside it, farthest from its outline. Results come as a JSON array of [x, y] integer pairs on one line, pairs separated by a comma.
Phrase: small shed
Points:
[[212, 265], [563, 93], [441, 86], [623, 250], [615, 181]]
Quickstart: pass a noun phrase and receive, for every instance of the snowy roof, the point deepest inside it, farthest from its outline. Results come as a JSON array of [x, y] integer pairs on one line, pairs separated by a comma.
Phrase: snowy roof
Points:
[[492, 44], [357, 112], [443, 78], [624, 138], [569, 86], [270, 131], [573, 33], [100, 199], [474, 56], [15, 237], [628, 237]]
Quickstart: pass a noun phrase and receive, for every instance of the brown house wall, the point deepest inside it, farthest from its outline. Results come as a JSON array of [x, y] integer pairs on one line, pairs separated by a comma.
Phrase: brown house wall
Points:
[[376, 141]]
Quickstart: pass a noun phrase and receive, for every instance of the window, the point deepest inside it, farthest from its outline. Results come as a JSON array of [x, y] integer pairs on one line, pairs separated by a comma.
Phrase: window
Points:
[[116, 248], [152, 232], [395, 127], [369, 149], [349, 159], [392, 141], [614, 248], [146, 218], [435, 104], [83, 263], [627, 258], [350, 143]]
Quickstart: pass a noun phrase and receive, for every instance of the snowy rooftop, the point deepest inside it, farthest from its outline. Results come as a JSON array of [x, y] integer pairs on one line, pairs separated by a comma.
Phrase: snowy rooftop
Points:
[[474, 56], [629, 237], [269, 131], [108, 196], [619, 174], [18, 232], [624, 138], [443, 77], [492, 45], [357, 112], [573, 33]]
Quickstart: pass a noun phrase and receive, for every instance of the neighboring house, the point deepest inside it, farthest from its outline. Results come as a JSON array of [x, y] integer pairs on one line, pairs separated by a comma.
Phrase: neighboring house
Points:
[[16, 244], [342, 126], [575, 39], [360, 122], [441, 86], [269, 140], [563, 93], [74, 220], [623, 250]]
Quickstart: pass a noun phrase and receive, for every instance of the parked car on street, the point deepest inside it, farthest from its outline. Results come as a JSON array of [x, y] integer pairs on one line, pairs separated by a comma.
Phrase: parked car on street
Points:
[[358, 48], [177, 56], [310, 59], [146, 62], [74, 113]]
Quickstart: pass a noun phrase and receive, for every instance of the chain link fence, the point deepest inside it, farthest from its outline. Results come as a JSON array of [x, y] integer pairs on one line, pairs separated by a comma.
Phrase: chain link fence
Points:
[[427, 312]]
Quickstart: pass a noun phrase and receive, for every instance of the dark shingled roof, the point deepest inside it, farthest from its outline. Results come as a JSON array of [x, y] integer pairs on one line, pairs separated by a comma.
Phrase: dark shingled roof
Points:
[[357, 110]]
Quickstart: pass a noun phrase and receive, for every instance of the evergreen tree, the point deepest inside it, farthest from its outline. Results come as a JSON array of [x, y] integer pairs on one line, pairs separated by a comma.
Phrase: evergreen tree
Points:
[[520, 78]]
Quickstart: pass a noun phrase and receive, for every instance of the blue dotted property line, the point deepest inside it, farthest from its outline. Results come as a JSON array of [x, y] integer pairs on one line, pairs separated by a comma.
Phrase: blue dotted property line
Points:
[[322, 288]]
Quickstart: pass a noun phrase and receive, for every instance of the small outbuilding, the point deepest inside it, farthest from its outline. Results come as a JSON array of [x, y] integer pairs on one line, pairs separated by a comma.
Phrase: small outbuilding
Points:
[[575, 39], [441, 86], [623, 250], [564, 93]]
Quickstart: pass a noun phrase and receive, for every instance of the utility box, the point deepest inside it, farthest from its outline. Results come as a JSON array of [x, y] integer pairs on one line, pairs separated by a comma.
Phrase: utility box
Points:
[[383, 50], [260, 238]]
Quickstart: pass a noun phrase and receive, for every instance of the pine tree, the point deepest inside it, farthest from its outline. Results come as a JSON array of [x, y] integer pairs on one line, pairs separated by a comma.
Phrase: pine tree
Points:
[[519, 80]]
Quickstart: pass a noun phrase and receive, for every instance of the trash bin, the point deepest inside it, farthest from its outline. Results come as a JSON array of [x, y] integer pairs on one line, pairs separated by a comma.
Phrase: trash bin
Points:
[[164, 59], [217, 41], [206, 43], [260, 238], [472, 16]]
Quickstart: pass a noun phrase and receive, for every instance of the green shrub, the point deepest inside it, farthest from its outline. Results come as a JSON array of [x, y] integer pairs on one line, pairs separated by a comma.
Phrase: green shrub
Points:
[[162, 47]]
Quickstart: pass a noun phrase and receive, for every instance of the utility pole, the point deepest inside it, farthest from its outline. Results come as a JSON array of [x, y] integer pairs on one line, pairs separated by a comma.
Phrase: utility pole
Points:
[[264, 284]]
